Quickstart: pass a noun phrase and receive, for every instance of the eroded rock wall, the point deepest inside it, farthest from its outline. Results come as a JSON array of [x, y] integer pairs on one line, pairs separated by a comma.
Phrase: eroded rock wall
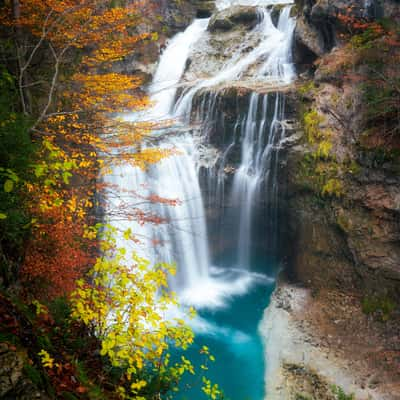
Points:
[[343, 182], [340, 183]]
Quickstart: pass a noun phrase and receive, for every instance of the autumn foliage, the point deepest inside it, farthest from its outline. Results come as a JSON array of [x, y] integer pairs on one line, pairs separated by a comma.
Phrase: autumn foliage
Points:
[[66, 51], [58, 255]]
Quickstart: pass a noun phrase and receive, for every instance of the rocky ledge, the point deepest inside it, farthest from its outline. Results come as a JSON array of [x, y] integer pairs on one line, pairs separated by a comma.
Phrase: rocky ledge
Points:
[[231, 17]]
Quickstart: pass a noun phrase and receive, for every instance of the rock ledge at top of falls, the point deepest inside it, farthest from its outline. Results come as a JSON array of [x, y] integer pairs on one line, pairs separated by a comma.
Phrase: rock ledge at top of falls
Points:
[[229, 18], [216, 47]]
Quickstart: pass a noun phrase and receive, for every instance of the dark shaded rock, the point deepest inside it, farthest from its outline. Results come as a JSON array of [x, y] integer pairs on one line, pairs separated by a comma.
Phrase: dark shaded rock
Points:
[[308, 44], [228, 19], [319, 26], [204, 8], [13, 384]]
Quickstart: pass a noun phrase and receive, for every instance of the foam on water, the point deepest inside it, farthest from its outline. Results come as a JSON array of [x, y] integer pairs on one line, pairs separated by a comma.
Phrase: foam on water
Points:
[[220, 287]]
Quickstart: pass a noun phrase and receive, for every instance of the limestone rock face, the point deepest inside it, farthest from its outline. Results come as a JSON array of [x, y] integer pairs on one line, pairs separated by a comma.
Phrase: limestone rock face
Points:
[[229, 18], [224, 41], [309, 37], [350, 242]]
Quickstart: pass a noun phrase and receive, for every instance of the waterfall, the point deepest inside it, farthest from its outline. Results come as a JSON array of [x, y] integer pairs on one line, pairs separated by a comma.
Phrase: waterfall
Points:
[[273, 54], [261, 136], [258, 133], [242, 174], [183, 238], [171, 67]]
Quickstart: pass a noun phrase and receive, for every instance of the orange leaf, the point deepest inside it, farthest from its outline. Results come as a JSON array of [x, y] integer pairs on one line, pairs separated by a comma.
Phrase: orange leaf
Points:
[[81, 389]]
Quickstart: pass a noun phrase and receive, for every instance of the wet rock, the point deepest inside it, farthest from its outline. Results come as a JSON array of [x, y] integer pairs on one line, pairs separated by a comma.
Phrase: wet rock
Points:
[[238, 15], [309, 37], [177, 15], [204, 8]]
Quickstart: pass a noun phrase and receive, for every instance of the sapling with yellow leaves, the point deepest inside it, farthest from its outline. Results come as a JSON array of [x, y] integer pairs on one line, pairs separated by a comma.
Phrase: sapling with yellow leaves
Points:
[[125, 302]]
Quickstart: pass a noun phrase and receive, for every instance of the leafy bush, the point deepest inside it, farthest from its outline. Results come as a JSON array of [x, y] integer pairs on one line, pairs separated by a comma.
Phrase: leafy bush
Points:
[[16, 155], [311, 123], [124, 302]]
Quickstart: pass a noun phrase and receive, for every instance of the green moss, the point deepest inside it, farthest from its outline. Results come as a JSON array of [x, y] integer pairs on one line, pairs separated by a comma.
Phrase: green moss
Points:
[[340, 394], [352, 167], [380, 306], [323, 149], [333, 187], [311, 124], [307, 88], [319, 169], [321, 176]]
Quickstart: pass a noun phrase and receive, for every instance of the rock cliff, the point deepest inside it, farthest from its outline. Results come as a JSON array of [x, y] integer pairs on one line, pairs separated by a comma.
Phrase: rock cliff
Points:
[[340, 189]]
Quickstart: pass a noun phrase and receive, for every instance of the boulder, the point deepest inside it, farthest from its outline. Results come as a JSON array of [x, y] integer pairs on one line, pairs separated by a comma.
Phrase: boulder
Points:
[[226, 20], [307, 36]]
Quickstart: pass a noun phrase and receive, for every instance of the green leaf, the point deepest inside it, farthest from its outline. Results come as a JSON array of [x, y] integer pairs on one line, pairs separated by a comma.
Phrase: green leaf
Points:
[[66, 175], [8, 185], [58, 202], [39, 170], [3, 216], [127, 234]]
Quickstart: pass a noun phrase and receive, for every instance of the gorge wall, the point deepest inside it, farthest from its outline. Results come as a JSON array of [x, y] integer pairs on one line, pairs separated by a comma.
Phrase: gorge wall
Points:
[[340, 196]]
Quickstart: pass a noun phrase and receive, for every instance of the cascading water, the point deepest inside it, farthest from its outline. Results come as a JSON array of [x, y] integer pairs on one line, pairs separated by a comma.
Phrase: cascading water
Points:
[[183, 239], [261, 136], [273, 54]]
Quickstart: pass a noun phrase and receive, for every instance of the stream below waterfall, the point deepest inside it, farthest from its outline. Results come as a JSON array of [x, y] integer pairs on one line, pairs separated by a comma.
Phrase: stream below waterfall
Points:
[[231, 333], [230, 289]]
